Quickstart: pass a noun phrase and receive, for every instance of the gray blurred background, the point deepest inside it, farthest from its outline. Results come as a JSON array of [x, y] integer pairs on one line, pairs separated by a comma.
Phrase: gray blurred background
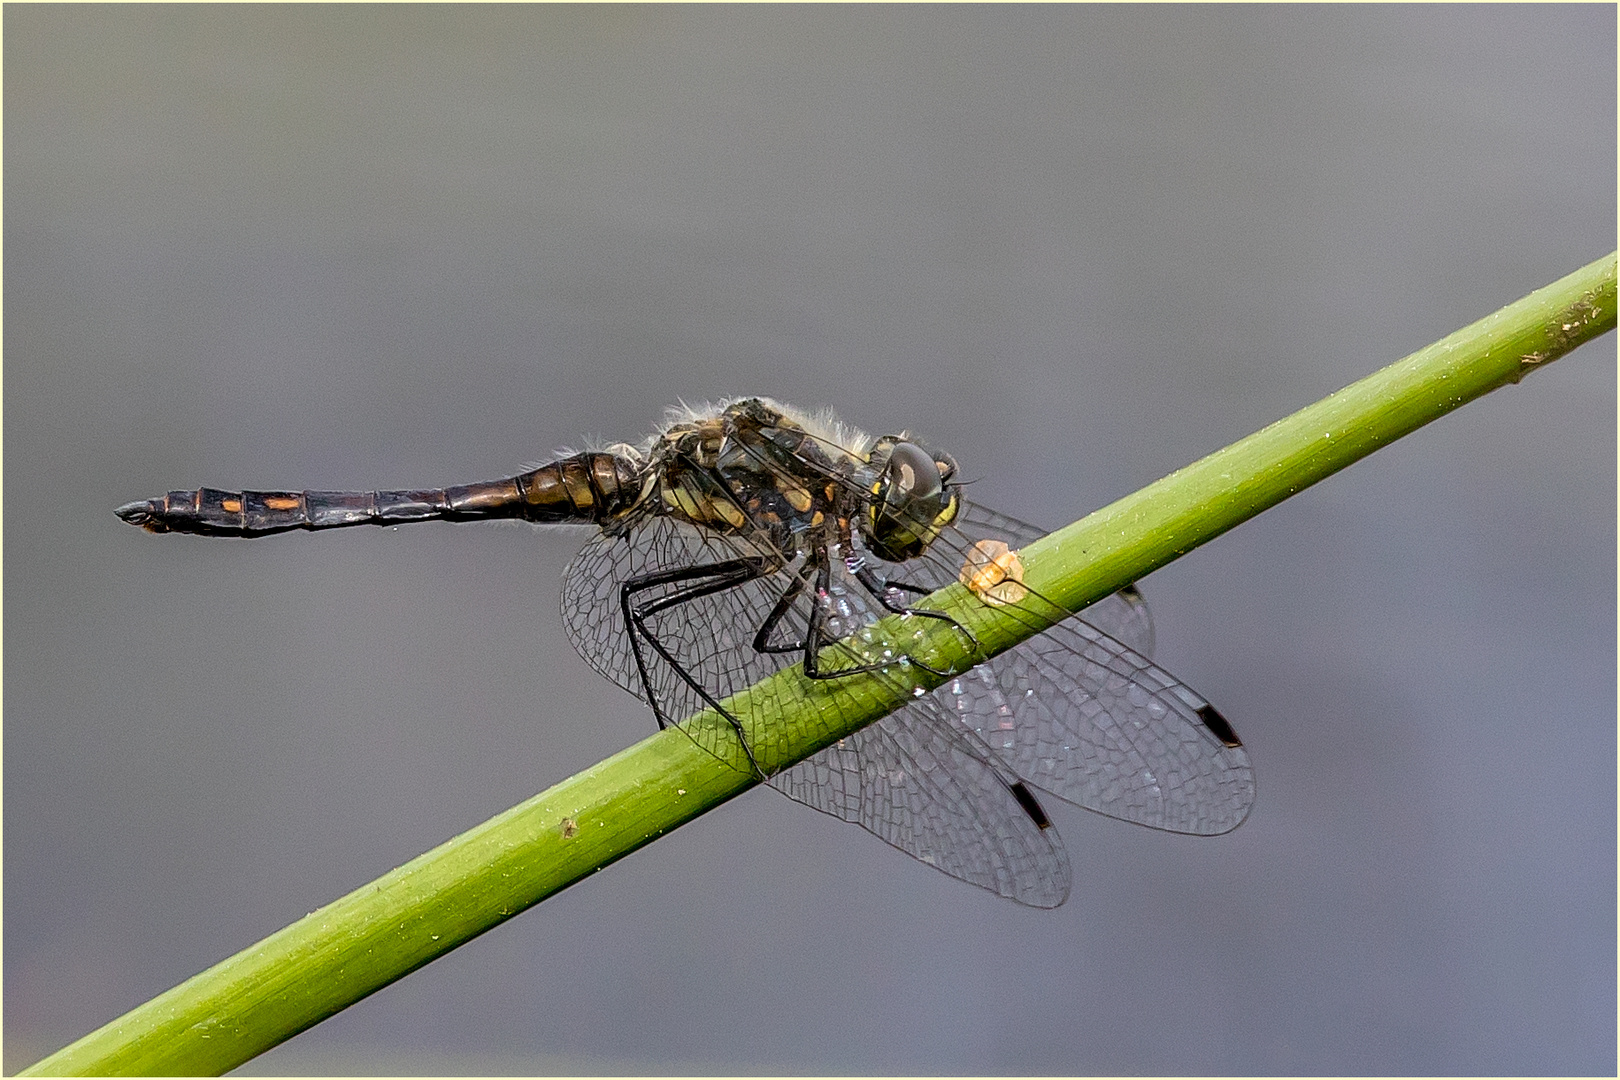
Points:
[[1078, 247]]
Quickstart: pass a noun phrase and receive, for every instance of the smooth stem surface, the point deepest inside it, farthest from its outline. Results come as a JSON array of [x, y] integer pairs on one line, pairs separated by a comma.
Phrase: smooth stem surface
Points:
[[337, 955]]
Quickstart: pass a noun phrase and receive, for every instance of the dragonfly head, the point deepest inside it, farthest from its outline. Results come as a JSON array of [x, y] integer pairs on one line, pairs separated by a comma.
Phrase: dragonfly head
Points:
[[913, 499]]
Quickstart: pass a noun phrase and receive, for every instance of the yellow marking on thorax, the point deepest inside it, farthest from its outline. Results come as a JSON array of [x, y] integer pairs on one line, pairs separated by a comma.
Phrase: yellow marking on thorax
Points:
[[716, 512], [725, 511], [797, 497], [677, 498]]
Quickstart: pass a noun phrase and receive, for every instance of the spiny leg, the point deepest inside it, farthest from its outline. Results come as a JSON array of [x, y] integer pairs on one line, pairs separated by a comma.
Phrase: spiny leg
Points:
[[709, 578], [762, 642], [816, 635]]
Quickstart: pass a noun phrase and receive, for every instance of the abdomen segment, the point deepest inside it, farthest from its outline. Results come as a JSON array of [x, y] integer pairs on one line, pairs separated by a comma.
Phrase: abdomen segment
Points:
[[584, 489]]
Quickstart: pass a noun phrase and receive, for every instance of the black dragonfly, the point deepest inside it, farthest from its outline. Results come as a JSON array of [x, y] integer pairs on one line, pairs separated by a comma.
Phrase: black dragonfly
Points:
[[745, 537]]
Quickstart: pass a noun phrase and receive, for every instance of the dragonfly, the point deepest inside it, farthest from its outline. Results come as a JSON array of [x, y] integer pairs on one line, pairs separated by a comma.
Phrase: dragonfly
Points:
[[746, 537]]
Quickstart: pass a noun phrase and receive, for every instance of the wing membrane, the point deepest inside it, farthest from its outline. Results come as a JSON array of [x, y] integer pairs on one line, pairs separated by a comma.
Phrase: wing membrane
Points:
[[929, 787], [1078, 714]]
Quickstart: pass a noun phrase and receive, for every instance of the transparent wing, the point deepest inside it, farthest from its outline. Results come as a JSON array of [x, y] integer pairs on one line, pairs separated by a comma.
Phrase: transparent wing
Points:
[[1071, 711], [1081, 711], [710, 637], [1081, 714], [920, 782], [916, 779], [1095, 723]]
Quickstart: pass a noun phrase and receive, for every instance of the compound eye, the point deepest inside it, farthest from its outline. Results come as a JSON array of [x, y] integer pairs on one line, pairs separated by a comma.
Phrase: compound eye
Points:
[[912, 504], [913, 475]]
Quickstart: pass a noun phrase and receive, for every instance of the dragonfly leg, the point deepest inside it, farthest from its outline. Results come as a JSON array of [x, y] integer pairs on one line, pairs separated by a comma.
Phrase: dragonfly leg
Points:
[[705, 580], [816, 635], [762, 643]]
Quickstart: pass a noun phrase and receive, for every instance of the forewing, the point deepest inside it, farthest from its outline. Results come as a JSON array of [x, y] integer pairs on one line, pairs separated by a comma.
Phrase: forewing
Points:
[[920, 782], [1097, 724], [980, 522]]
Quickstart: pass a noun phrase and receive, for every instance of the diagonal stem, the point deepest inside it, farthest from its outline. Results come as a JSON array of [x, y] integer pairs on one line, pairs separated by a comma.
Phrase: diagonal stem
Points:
[[360, 943]]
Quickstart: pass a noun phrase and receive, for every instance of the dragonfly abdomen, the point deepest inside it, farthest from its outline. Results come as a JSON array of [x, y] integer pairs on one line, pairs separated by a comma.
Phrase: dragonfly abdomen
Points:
[[584, 488]]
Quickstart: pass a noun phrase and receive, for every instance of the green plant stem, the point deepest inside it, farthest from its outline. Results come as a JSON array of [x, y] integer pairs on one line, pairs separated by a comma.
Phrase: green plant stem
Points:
[[337, 955]]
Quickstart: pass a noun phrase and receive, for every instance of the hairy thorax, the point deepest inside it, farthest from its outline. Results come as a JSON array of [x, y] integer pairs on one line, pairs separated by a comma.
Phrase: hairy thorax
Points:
[[748, 468]]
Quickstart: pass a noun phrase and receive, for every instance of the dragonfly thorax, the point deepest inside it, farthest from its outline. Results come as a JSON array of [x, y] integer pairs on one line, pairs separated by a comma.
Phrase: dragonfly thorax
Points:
[[752, 467]]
